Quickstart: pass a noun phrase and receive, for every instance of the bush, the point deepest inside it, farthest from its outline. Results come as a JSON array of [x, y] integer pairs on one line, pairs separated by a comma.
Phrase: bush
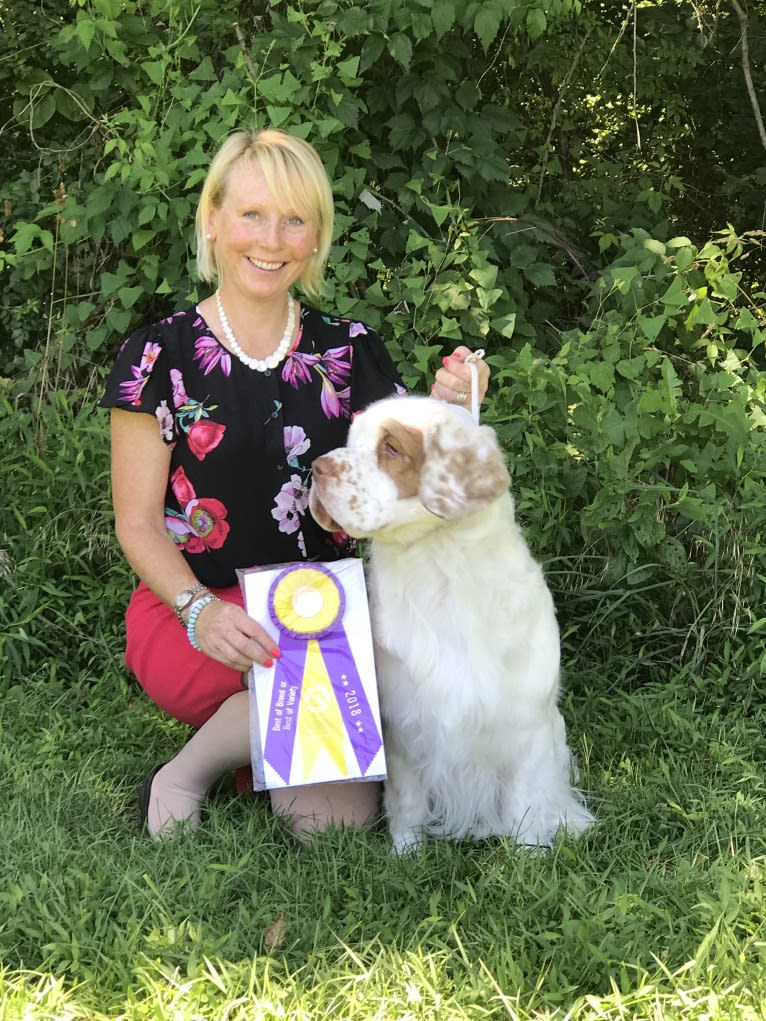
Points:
[[639, 453]]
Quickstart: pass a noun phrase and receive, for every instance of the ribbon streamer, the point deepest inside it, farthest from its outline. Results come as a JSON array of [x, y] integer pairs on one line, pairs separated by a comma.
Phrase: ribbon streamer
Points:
[[318, 700]]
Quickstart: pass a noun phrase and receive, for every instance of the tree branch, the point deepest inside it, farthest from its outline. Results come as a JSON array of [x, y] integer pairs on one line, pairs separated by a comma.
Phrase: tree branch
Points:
[[746, 70]]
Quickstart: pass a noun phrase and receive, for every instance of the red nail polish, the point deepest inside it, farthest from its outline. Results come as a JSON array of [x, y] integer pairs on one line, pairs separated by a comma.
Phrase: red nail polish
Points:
[[445, 360], [276, 653], [268, 663]]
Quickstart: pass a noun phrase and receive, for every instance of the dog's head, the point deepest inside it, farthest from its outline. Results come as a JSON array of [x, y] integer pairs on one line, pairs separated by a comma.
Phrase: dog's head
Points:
[[408, 461]]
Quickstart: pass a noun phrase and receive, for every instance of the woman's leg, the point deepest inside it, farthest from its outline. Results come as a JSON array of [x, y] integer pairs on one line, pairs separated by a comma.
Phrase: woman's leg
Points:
[[223, 744], [196, 690], [314, 807], [219, 746]]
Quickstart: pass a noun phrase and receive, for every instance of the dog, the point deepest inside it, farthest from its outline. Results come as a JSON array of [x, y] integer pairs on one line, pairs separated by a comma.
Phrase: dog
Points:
[[466, 638]]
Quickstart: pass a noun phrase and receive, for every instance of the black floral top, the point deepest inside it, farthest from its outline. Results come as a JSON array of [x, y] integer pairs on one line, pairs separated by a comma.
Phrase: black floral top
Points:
[[243, 441]]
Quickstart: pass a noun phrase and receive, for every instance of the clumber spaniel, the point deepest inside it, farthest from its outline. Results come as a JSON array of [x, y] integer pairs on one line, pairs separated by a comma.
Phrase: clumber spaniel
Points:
[[467, 644]]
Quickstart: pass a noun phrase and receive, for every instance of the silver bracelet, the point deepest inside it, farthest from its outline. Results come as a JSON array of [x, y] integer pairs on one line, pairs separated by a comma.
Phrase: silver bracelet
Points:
[[191, 625]]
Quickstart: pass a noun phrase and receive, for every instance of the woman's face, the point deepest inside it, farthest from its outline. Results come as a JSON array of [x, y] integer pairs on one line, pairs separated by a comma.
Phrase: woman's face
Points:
[[261, 246]]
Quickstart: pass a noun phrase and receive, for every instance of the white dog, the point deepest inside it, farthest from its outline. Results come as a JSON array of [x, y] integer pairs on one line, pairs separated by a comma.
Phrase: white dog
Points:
[[465, 632]]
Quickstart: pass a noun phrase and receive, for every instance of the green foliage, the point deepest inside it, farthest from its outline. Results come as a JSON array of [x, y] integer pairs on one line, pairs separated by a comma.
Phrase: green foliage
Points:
[[62, 582], [491, 189], [640, 440]]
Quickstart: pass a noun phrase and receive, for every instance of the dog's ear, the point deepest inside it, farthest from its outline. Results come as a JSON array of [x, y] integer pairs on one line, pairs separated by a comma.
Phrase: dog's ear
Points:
[[464, 469]]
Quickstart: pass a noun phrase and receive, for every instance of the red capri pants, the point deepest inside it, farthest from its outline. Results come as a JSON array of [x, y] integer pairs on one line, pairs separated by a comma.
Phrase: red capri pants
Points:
[[187, 684]]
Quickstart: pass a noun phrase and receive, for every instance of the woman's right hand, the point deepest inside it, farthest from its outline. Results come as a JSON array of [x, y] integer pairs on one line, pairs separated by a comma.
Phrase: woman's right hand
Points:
[[226, 633]]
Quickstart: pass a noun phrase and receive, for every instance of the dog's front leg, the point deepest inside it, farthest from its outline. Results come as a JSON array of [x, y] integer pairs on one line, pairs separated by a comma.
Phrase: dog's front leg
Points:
[[405, 802]]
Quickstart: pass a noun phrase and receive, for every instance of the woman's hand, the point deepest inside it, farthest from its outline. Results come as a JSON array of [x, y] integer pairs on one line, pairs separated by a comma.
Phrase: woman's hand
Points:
[[453, 380], [226, 633]]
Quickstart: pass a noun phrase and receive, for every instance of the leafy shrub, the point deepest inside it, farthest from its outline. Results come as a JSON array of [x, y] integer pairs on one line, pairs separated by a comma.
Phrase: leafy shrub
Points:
[[63, 584], [639, 452]]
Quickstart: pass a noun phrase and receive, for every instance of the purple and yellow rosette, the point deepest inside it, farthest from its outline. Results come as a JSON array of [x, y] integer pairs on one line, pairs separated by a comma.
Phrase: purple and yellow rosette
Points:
[[318, 700]]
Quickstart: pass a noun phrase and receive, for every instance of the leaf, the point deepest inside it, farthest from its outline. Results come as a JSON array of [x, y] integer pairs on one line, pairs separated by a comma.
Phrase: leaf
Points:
[[654, 246], [347, 69], [369, 200], [651, 326], [400, 48], [505, 325], [536, 23], [84, 29], [274, 937], [443, 16], [675, 296], [43, 109], [487, 23], [129, 295], [154, 70], [540, 275]]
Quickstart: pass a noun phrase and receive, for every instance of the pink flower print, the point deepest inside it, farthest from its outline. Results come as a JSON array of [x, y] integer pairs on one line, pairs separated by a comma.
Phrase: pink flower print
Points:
[[204, 436], [130, 389], [182, 488], [337, 363], [165, 418], [296, 443], [297, 368], [179, 390], [209, 353], [291, 501], [202, 523], [169, 319], [149, 357], [335, 402], [357, 329]]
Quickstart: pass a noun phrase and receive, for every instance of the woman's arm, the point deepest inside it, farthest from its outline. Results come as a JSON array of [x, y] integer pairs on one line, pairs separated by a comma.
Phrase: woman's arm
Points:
[[140, 468]]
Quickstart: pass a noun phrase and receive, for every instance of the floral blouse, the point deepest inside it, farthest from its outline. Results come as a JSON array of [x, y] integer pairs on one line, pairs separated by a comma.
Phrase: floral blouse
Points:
[[242, 442]]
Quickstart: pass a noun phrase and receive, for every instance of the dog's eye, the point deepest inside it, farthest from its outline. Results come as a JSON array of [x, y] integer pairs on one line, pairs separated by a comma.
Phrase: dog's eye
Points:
[[390, 450]]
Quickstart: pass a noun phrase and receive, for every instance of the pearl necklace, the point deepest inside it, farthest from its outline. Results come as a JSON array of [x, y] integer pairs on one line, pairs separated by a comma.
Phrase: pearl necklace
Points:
[[276, 356]]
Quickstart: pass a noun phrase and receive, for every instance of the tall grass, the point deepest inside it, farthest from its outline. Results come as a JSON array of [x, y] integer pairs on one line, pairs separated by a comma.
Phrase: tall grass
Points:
[[656, 913]]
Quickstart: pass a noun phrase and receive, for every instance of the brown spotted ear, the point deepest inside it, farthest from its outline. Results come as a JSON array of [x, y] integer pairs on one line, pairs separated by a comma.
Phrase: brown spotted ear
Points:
[[464, 469]]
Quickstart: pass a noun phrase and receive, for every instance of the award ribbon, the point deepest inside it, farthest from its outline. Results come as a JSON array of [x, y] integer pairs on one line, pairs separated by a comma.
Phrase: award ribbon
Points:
[[317, 695]]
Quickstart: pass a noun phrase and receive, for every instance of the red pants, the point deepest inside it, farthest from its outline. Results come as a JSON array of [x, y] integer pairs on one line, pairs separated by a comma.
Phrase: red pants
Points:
[[187, 684]]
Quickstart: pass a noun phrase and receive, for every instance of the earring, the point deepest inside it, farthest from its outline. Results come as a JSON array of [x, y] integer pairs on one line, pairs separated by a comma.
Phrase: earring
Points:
[[209, 237], [316, 250]]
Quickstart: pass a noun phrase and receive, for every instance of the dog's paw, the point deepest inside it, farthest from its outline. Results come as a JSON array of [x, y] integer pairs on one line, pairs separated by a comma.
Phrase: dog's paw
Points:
[[406, 842]]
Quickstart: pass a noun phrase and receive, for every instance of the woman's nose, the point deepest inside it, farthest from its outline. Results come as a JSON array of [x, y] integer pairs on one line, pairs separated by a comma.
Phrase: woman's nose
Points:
[[271, 232]]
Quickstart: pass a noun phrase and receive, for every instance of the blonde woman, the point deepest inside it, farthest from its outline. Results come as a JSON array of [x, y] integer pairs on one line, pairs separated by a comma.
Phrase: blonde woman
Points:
[[217, 413]]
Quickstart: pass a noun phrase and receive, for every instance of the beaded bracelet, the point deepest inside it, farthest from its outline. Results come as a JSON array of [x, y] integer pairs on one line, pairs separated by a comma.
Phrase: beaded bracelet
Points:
[[191, 625]]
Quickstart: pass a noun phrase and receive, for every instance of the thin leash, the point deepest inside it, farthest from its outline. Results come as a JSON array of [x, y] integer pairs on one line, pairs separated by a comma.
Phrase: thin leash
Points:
[[471, 360]]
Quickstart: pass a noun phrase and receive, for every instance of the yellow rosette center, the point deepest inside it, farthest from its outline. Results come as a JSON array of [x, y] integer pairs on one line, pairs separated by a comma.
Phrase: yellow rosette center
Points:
[[306, 601]]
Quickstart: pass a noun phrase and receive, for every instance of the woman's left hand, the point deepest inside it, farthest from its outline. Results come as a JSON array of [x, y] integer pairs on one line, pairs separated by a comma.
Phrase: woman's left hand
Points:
[[453, 379]]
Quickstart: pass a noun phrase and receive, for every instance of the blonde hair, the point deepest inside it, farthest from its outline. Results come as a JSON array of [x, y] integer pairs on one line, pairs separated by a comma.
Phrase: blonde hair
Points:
[[295, 175]]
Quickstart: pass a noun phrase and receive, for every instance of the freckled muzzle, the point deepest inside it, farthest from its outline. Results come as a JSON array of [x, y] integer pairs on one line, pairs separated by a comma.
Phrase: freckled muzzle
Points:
[[349, 492]]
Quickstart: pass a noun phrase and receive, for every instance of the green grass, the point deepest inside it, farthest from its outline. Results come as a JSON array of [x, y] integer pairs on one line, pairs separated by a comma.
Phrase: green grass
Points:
[[657, 912]]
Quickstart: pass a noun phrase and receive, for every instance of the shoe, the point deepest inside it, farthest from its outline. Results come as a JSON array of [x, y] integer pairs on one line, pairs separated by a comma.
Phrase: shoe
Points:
[[144, 796]]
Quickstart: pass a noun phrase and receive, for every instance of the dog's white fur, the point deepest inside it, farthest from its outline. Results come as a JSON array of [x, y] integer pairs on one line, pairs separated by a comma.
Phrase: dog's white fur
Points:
[[467, 643]]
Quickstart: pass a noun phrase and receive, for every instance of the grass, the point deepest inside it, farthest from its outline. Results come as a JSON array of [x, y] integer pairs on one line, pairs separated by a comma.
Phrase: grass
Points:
[[658, 912]]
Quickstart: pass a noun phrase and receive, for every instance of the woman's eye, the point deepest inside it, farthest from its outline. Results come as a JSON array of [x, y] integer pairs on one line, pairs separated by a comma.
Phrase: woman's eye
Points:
[[252, 215], [295, 221]]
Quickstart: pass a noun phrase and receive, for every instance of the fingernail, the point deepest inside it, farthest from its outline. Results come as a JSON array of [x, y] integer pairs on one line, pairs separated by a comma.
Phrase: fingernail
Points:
[[276, 653], [433, 387], [268, 663], [445, 360]]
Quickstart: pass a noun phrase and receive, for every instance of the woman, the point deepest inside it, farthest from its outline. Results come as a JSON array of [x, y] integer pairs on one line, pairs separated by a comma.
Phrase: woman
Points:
[[235, 399]]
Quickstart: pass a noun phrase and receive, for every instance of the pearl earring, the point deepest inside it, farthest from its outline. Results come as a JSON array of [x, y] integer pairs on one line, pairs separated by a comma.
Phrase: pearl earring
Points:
[[209, 237], [316, 250]]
